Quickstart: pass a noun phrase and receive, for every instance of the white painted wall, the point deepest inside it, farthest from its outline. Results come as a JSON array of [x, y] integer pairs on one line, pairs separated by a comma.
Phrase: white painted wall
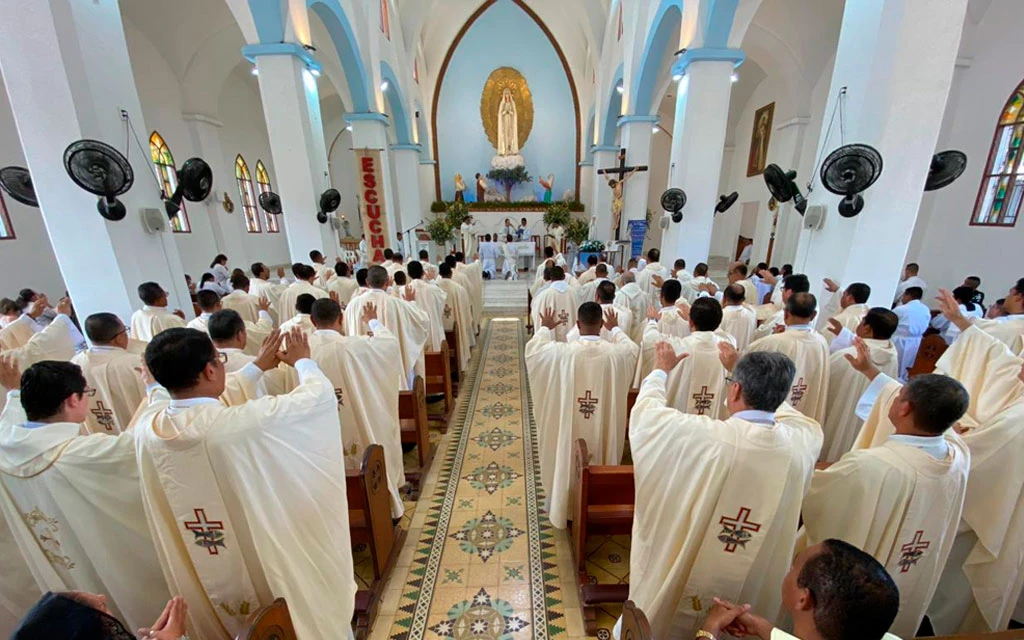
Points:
[[944, 243]]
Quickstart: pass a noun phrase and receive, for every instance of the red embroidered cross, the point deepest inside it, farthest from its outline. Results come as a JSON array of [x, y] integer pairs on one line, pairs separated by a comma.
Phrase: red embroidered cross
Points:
[[735, 530], [799, 389], [911, 552], [588, 405], [563, 317], [209, 533], [447, 311], [339, 396], [104, 416], [703, 400]]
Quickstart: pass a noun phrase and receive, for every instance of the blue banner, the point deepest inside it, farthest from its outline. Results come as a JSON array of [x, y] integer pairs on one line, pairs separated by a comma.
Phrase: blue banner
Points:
[[637, 235]]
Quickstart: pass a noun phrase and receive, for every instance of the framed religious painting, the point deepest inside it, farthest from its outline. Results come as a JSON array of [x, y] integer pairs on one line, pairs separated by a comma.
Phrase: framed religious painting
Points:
[[759, 140]]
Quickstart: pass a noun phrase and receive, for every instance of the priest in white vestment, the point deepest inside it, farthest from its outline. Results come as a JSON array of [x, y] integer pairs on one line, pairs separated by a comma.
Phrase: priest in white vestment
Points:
[[792, 285], [431, 299], [587, 291], [808, 351], [72, 501], [901, 500], [209, 302], [304, 278], [111, 368], [700, 285], [154, 317], [401, 316], [915, 316], [671, 318], [604, 295], [717, 501], [738, 317], [240, 300], [475, 277], [229, 335], [1008, 328], [737, 274], [58, 341], [261, 286], [579, 390], [630, 296], [489, 257], [246, 500], [558, 298], [19, 330], [695, 386], [847, 308], [646, 277], [342, 285], [300, 318], [324, 272], [910, 279], [458, 314]]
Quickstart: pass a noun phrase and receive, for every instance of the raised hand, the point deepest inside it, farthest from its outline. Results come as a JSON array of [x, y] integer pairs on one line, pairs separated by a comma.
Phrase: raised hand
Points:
[[835, 326], [64, 306], [179, 313], [665, 358], [548, 320], [657, 280], [861, 359], [950, 308], [611, 319], [267, 358], [38, 307], [409, 294], [779, 328], [831, 285], [297, 347], [280, 272], [10, 373], [728, 355], [264, 304], [653, 314], [683, 309], [369, 312]]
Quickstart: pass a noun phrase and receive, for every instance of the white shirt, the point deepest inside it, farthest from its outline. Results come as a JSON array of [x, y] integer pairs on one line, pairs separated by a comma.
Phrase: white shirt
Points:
[[935, 446], [912, 281]]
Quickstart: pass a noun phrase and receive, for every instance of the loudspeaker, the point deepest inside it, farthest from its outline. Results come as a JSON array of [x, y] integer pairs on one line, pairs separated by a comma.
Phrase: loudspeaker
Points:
[[815, 217], [154, 220]]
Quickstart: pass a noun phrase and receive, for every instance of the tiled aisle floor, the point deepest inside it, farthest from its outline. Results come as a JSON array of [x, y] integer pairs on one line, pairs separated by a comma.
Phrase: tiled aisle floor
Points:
[[481, 559]]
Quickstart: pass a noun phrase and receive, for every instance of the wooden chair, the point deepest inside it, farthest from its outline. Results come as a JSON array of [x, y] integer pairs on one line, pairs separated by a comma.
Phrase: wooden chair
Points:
[[272, 622], [438, 378], [634, 623], [413, 421], [1011, 634], [602, 503], [529, 311], [932, 348], [454, 357]]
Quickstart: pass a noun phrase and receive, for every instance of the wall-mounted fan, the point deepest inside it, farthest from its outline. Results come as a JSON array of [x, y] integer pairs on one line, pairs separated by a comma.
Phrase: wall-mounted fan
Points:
[[849, 171], [195, 181], [724, 202], [17, 183], [102, 170], [672, 201], [270, 202], [946, 167], [330, 200], [782, 185]]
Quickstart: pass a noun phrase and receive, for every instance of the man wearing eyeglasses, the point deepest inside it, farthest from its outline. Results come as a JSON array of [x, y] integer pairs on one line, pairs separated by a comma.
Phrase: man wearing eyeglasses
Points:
[[112, 370]]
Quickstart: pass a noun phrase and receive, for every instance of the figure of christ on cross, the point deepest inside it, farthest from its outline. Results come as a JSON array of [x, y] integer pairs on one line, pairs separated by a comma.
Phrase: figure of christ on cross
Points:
[[624, 173]]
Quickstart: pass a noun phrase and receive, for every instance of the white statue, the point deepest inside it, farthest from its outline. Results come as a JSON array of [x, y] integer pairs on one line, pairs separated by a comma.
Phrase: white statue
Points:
[[508, 125]]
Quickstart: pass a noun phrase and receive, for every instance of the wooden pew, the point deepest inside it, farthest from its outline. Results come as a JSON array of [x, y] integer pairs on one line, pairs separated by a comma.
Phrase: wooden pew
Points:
[[601, 503], [932, 348], [438, 378], [1011, 634], [272, 622], [455, 357], [412, 418], [529, 311], [369, 522], [634, 623]]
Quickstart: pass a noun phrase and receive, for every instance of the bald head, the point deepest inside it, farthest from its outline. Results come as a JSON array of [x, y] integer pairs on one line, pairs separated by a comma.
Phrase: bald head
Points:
[[801, 308], [627, 277]]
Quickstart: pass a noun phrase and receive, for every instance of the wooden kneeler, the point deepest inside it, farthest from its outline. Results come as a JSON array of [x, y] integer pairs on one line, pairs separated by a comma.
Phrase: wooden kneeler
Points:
[[438, 378], [931, 349], [635, 625], [602, 502], [369, 523], [454, 357], [272, 622], [412, 417]]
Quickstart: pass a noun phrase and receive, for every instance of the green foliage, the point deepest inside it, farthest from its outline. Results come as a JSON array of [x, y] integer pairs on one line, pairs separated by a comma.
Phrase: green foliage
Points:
[[509, 178], [440, 230], [577, 230], [438, 206], [456, 214], [558, 214], [575, 206]]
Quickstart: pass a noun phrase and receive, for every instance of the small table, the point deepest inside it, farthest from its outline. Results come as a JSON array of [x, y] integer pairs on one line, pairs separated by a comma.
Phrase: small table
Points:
[[525, 251]]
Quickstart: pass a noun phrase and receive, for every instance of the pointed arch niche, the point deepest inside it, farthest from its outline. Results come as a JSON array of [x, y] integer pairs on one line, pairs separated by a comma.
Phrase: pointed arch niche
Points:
[[505, 33]]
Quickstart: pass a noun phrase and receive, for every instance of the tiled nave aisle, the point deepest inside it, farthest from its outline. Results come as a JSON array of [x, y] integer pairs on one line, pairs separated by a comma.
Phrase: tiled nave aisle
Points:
[[480, 559]]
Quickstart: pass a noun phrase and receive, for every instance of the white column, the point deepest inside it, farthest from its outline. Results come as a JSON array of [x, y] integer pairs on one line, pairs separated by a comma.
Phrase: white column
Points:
[[698, 144], [406, 160], [605, 157], [636, 134], [369, 131], [291, 106], [585, 196], [227, 229], [893, 57], [65, 64], [787, 145]]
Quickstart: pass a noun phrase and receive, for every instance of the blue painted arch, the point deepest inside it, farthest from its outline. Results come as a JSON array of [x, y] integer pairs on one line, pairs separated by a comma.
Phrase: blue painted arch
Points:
[[340, 30], [664, 33], [399, 115], [269, 18], [614, 110]]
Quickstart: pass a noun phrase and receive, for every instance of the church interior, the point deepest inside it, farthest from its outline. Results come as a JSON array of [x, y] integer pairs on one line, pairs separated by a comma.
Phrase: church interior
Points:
[[536, 254]]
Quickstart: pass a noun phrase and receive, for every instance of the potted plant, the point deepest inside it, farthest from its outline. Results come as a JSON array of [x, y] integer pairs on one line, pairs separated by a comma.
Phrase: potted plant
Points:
[[509, 178], [440, 231]]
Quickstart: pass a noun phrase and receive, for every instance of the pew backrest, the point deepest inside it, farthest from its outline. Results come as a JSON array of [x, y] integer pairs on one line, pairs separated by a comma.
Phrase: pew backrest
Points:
[[272, 622]]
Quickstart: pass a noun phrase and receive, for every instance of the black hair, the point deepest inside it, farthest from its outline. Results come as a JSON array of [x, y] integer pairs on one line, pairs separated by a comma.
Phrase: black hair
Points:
[[207, 300], [735, 293], [964, 295], [225, 325], [859, 291], [415, 269], [400, 278], [206, 277], [46, 385], [706, 314], [150, 292], [341, 268], [601, 269], [444, 270], [938, 402], [218, 259], [239, 281], [424, 255], [671, 290], [314, 254], [549, 252], [700, 270], [176, 357], [882, 321], [592, 260], [557, 273], [101, 328], [606, 292], [361, 276], [797, 283], [325, 312], [654, 255], [304, 303], [388, 254], [590, 314], [257, 268], [802, 305], [914, 293], [680, 264]]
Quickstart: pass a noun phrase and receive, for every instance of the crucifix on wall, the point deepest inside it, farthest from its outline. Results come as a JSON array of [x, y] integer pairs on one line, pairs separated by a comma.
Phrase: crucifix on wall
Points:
[[623, 173]]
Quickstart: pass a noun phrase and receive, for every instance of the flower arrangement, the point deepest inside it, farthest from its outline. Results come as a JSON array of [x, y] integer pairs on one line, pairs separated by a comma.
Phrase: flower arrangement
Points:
[[509, 177], [577, 230], [440, 231], [592, 246], [440, 206], [456, 213], [558, 214]]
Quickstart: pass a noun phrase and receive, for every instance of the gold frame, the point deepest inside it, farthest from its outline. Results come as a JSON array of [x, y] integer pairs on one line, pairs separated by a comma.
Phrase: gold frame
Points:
[[500, 79]]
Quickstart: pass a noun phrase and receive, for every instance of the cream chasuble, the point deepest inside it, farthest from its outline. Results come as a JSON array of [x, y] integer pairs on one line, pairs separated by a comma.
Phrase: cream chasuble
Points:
[[558, 296], [671, 323], [695, 386], [18, 333], [236, 359], [645, 279], [112, 373], [431, 300], [74, 508], [845, 387], [717, 506], [475, 276], [300, 320], [458, 317], [849, 318], [750, 293], [624, 318], [898, 503], [345, 287], [265, 289], [246, 305], [324, 274], [462, 279], [54, 342], [286, 303], [406, 321], [809, 352], [632, 297], [579, 390], [1009, 331], [767, 327], [247, 502], [149, 321], [740, 322]]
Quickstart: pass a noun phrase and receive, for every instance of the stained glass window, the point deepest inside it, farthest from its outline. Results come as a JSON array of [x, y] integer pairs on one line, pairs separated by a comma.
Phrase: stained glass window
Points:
[[1002, 187], [247, 195], [163, 161], [385, 19], [263, 182], [6, 230]]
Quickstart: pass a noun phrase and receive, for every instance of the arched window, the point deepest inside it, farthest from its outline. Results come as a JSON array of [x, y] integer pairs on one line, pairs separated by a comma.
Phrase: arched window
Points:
[[263, 180], [1002, 187], [248, 196], [168, 176], [6, 230]]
